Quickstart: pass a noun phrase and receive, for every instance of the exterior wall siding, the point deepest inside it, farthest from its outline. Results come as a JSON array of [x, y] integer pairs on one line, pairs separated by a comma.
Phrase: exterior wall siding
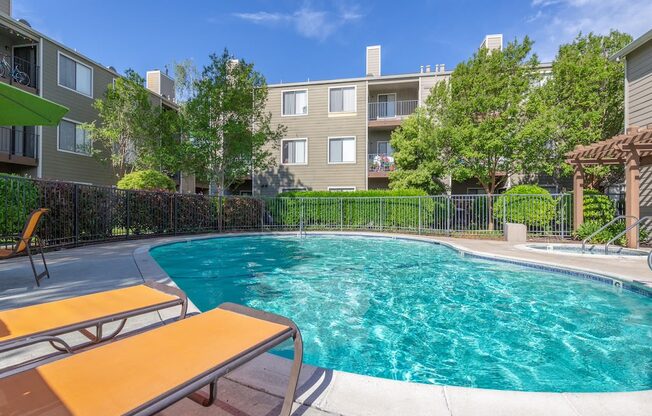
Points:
[[317, 127], [64, 165], [373, 61], [5, 7], [639, 79]]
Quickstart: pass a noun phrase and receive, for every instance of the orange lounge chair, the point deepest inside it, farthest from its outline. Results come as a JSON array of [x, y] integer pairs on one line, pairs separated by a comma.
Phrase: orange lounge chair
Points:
[[46, 322], [145, 373], [24, 242]]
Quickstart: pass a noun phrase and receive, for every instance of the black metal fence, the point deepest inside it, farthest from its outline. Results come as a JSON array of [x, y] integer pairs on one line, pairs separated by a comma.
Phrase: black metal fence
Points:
[[81, 214]]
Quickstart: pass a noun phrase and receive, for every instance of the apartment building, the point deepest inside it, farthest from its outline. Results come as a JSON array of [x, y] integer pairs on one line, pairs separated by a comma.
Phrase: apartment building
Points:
[[338, 131], [36, 63]]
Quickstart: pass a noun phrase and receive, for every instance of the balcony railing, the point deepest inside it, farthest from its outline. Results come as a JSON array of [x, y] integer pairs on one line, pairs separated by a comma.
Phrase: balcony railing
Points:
[[381, 163], [392, 109], [18, 71], [19, 142]]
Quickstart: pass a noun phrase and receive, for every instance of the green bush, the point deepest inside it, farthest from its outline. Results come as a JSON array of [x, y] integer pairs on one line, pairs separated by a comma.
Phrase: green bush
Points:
[[354, 194], [147, 180], [18, 197], [526, 204], [589, 227], [394, 209], [597, 207]]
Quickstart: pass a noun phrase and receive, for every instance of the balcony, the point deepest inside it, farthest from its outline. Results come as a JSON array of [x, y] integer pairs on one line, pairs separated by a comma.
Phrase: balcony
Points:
[[380, 165], [19, 146], [390, 113], [19, 72]]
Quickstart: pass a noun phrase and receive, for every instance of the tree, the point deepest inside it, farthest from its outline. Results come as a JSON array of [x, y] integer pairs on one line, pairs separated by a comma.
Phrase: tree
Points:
[[582, 103], [417, 148], [487, 112], [230, 133], [132, 132]]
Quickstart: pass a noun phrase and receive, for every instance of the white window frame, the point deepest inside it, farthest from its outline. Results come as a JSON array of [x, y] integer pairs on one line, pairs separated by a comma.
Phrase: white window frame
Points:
[[328, 150], [59, 149], [59, 54], [342, 189], [293, 140], [283, 103], [343, 113]]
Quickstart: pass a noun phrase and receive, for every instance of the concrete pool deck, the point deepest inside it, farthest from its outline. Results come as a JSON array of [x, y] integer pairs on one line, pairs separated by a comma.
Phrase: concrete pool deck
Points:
[[256, 389]]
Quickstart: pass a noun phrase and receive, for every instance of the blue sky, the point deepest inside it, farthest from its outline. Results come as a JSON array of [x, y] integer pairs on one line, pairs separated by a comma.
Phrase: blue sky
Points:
[[300, 40]]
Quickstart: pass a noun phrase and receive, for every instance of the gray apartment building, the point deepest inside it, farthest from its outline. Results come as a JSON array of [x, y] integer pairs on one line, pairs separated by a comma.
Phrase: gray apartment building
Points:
[[38, 64], [338, 131]]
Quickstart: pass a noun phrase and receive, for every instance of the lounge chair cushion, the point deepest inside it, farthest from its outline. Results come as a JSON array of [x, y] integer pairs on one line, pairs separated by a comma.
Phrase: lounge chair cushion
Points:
[[5, 253], [33, 320], [121, 376]]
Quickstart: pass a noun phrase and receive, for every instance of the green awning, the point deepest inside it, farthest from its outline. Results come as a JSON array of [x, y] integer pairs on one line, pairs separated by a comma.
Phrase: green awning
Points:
[[20, 108]]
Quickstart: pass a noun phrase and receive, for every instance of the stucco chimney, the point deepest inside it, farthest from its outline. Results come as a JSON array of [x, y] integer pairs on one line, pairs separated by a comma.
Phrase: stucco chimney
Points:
[[493, 42], [5, 7], [160, 83], [373, 61]]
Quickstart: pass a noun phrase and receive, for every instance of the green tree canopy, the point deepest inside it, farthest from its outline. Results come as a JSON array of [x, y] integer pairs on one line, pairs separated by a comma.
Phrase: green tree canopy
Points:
[[474, 124], [132, 132], [582, 102], [230, 132], [417, 145]]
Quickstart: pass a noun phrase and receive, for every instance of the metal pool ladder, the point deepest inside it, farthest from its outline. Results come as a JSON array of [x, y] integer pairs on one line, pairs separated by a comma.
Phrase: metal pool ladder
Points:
[[599, 230], [620, 234]]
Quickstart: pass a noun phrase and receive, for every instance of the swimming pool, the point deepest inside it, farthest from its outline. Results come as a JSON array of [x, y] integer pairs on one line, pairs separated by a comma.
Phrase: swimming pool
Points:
[[423, 312]]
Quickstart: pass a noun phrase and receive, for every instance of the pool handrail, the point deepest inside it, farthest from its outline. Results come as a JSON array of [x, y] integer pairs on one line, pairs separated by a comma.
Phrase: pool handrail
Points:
[[599, 230], [649, 260], [620, 234]]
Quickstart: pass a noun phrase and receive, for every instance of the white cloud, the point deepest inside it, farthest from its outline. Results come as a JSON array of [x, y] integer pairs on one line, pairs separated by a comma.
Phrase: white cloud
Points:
[[308, 21], [559, 21]]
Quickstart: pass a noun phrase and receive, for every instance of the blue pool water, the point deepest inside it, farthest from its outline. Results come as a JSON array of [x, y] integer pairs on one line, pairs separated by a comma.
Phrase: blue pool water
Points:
[[422, 312]]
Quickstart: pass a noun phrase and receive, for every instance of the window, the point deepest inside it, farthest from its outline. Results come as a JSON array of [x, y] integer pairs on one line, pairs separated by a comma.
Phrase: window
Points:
[[296, 188], [341, 100], [294, 151], [72, 138], [341, 189], [75, 75], [475, 191], [384, 148], [341, 150], [295, 103]]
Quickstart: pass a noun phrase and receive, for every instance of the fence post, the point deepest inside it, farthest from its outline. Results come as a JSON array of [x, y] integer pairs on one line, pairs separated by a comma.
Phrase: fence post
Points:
[[448, 215], [301, 216], [220, 214], [174, 212], [127, 209], [341, 214], [505, 198], [419, 215], [382, 211], [563, 214], [262, 214], [75, 199]]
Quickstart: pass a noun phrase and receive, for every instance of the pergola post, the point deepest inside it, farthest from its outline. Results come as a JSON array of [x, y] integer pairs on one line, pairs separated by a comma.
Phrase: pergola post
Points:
[[578, 196], [632, 191]]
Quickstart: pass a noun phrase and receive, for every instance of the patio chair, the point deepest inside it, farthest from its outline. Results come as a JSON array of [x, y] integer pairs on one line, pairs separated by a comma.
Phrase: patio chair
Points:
[[24, 244], [145, 373], [47, 322]]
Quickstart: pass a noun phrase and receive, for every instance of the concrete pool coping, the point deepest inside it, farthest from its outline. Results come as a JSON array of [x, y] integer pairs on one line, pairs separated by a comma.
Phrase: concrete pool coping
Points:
[[338, 392]]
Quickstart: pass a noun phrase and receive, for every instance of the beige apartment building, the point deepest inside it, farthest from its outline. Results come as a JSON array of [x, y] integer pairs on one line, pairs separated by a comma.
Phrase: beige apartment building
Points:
[[338, 131], [32, 61]]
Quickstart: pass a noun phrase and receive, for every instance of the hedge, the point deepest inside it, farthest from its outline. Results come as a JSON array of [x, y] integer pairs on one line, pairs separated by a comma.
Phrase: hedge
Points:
[[597, 207], [360, 209], [147, 180], [526, 204], [354, 194], [18, 197]]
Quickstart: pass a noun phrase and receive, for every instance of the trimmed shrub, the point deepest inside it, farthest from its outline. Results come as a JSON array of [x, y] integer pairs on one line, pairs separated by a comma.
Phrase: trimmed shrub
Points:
[[147, 180], [589, 227], [597, 207], [354, 194], [526, 204], [18, 197]]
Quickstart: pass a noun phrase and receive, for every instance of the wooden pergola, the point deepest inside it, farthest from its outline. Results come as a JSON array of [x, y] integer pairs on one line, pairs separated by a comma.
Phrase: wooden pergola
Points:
[[632, 149]]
